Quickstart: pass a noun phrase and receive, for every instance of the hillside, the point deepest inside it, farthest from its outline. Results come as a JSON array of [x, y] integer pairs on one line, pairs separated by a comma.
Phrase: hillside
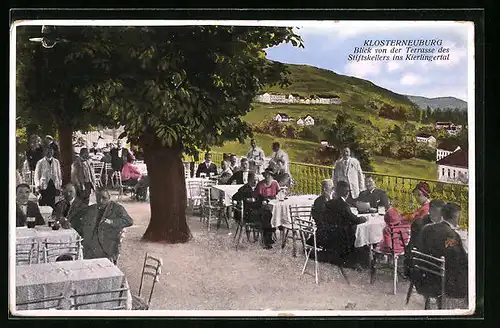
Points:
[[307, 80], [440, 102]]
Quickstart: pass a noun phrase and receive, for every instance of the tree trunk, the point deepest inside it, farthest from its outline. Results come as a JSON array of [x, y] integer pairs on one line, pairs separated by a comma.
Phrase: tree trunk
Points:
[[167, 192], [66, 151]]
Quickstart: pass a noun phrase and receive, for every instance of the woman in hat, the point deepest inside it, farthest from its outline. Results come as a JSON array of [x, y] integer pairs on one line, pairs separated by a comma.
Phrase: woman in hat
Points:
[[422, 195], [268, 188]]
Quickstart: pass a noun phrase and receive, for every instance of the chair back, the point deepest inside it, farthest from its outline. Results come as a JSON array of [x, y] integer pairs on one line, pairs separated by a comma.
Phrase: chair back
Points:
[[152, 268], [27, 253], [98, 168], [303, 222], [55, 249], [46, 303], [302, 212], [429, 265], [194, 189], [187, 169], [400, 236], [112, 299]]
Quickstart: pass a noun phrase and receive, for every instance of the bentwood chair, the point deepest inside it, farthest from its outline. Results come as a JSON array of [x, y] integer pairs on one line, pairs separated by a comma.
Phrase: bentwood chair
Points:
[[302, 212], [98, 168], [244, 225], [428, 270], [211, 208], [152, 268], [27, 252], [46, 303], [52, 250], [399, 237], [112, 299], [195, 197]]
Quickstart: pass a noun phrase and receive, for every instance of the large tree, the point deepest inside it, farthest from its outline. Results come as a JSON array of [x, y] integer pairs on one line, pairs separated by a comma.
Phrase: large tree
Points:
[[46, 84], [181, 89]]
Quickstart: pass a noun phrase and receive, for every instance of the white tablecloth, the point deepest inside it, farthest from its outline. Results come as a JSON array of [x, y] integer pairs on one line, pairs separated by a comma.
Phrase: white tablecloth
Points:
[[281, 211], [41, 234], [370, 232], [86, 276], [225, 192]]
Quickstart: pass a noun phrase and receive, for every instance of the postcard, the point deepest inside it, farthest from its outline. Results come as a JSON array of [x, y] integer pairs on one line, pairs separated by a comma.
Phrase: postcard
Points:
[[242, 168]]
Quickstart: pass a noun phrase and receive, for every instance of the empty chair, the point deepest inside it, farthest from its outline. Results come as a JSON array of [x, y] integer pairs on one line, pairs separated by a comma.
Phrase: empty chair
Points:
[[98, 168], [46, 303], [113, 299], [152, 268], [428, 274], [27, 252], [52, 250], [307, 229], [211, 208], [107, 170], [400, 237], [195, 197], [296, 211], [187, 169]]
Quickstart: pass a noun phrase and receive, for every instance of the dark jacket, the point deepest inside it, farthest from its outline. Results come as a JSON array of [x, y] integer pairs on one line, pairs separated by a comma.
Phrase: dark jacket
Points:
[[64, 210], [32, 210], [250, 208], [318, 208], [236, 177], [337, 227], [102, 240], [441, 240], [117, 161], [376, 198], [202, 168], [416, 229], [33, 156]]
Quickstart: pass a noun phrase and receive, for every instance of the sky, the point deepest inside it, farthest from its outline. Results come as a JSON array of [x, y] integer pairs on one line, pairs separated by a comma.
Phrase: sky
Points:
[[328, 45]]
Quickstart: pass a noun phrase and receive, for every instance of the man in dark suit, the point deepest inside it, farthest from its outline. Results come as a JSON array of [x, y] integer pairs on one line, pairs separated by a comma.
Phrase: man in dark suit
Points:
[[206, 167], [26, 208], [319, 206], [100, 226], [373, 195], [241, 176], [337, 227], [119, 156], [69, 207], [254, 208], [441, 239]]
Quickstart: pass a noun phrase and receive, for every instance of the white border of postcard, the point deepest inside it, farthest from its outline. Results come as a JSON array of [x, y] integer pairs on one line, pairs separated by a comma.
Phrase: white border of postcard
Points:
[[242, 313]]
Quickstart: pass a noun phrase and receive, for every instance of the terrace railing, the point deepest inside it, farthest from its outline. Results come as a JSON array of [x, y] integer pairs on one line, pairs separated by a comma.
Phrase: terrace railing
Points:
[[308, 179]]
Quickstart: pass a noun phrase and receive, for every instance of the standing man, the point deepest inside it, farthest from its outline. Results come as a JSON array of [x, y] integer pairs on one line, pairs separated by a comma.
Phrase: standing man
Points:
[[50, 142], [207, 166], [255, 158], [100, 226], [68, 207], [349, 170], [119, 156], [83, 176], [48, 178], [279, 154]]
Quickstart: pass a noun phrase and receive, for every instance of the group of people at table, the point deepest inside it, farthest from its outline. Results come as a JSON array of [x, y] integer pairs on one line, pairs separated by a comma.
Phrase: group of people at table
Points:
[[431, 229]]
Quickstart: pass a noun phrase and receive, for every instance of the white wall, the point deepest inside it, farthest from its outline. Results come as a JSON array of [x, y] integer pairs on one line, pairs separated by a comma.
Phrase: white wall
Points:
[[451, 174]]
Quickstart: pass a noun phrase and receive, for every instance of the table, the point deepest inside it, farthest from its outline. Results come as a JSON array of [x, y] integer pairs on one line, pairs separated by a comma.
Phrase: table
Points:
[[86, 276], [281, 209], [41, 234], [370, 232], [225, 193]]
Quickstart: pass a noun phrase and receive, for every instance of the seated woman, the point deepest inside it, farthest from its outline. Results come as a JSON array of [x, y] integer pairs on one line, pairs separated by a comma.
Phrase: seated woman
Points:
[[268, 188], [226, 173], [422, 194], [394, 219], [130, 173]]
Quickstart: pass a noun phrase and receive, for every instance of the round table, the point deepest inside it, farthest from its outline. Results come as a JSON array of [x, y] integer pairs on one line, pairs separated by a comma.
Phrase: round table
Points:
[[281, 209]]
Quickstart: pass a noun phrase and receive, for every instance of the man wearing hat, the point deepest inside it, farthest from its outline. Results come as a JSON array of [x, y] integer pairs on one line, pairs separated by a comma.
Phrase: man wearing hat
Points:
[[422, 194], [50, 142], [348, 169]]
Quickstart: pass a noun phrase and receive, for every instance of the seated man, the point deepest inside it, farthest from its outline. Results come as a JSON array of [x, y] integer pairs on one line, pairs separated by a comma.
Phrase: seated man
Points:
[[337, 227], [26, 208], [373, 195], [226, 173], [255, 209], [441, 239], [206, 167], [319, 205], [100, 226], [67, 209], [240, 176]]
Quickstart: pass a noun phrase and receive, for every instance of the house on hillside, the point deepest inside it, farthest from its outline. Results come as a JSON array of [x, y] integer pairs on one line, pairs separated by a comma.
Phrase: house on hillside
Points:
[[307, 120], [454, 167], [445, 148], [263, 98], [426, 138], [281, 117], [293, 98], [454, 130], [328, 99], [324, 143], [278, 98], [444, 125]]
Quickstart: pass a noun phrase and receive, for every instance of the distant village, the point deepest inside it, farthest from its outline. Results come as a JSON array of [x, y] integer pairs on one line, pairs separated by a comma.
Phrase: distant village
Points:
[[295, 98]]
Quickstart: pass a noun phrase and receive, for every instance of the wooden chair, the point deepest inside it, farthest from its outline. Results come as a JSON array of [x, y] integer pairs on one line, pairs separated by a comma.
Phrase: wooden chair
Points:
[[107, 169], [300, 212], [46, 303], [54, 249], [427, 266], [108, 297], [399, 237], [187, 169], [195, 198], [27, 253], [98, 168], [307, 229], [151, 267], [211, 208], [243, 225]]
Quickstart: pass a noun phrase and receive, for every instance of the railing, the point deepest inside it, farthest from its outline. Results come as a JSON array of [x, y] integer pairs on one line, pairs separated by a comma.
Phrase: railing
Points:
[[308, 179]]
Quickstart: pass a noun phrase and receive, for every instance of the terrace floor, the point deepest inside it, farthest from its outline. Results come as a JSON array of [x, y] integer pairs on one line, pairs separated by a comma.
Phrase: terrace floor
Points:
[[207, 273]]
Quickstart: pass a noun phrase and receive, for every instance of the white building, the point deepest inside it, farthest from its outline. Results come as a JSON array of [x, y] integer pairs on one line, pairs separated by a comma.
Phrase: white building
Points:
[[278, 98], [444, 149], [454, 167], [426, 138], [263, 98], [308, 120], [281, 117], [324, 143]]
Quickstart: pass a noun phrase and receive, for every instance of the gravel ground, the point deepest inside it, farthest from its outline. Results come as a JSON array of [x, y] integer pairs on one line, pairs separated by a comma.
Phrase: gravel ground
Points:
[[209, 274]]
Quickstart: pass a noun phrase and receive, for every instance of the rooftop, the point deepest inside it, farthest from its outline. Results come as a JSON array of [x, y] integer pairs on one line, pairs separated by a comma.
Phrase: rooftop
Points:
[[459, 158], [447, 145]]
